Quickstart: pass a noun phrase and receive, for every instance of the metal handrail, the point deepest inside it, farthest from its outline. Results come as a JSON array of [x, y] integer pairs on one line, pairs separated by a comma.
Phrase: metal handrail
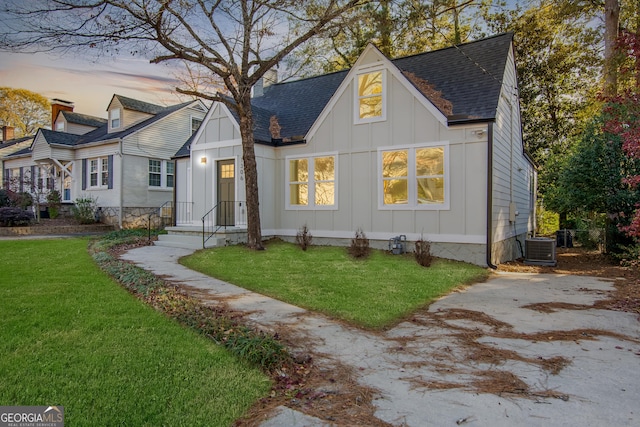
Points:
[[209, 218]]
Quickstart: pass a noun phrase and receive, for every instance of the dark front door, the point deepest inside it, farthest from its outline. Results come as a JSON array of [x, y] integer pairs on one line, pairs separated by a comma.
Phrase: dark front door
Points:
[[226, 192]]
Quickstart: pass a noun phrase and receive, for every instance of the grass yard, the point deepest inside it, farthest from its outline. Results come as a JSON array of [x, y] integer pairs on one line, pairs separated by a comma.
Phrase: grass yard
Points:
[[372, 293], [71, 336]]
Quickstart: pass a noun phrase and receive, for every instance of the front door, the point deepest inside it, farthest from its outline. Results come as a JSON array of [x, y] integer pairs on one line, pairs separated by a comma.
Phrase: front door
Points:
[[226, 192]]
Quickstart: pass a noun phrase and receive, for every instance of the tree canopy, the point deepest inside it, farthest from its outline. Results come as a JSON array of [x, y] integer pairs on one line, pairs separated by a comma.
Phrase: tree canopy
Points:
[[24, 110]]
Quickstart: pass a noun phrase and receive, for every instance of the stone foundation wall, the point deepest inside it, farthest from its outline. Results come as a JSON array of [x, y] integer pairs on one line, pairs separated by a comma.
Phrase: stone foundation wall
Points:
[[133, 217]]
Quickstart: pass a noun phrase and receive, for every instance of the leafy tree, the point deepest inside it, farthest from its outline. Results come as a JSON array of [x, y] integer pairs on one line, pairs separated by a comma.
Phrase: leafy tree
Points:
[[397, 28], [236, 40], [26, 111], [622, 115], [558, 65]]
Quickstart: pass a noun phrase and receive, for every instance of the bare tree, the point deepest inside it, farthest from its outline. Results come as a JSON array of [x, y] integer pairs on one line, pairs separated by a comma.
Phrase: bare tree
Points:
[[236, 40]]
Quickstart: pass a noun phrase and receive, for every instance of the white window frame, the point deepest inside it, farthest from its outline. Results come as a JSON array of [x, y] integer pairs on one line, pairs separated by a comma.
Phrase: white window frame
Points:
[[194, 119], [102, 173], [412, 190], [356, 95], [113, 116], [311, 183], [164, 174]]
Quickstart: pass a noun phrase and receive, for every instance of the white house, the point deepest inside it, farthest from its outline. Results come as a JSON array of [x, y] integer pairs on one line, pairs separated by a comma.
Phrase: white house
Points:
[[427, 146], [123, 162]]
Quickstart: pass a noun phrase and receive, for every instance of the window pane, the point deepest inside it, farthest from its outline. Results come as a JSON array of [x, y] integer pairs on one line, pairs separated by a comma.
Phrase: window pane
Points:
[[324, 168], [227, 171], [370, 84], [395, 191], [169, 180], [430, 161], [371, 107], [299, 194], [154, 180], [155, 166], [430, 190], [394, 164], [298, 170], [94, 165], [325, 193], [170, 167]]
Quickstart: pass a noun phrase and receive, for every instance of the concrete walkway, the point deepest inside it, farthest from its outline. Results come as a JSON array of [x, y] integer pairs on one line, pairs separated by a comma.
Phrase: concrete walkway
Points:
[[433, 369]]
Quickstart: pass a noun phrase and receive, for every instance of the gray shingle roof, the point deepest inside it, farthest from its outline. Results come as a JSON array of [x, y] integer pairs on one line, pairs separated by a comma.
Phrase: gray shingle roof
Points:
[[136, 105], [101, 133], [83, 119], [467, 75]]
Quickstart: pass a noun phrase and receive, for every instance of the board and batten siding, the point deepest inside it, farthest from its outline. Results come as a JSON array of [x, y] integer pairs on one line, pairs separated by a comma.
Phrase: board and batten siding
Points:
[[408, 123], [512, 174]]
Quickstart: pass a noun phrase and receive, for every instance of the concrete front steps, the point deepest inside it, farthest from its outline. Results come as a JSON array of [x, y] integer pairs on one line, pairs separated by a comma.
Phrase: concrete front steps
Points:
[[190, 237]]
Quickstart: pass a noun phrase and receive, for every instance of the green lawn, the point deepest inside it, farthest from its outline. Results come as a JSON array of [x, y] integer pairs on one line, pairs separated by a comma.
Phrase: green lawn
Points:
[[71, 336], [371, 293]]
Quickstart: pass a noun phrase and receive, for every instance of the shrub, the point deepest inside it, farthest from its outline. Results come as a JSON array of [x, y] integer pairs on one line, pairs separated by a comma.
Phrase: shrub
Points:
[[359, 247], [22, 199], [5, 199], [304, 238], [84, 210], [54, 201], [12, 216], [423, 253]]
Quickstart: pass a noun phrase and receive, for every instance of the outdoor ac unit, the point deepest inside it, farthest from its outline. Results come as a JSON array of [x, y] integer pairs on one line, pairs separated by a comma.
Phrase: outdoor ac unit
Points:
[[540, 251]]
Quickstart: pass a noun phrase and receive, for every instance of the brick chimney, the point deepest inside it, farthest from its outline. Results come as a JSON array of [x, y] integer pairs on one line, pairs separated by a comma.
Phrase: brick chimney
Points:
[[8, 133], [58, 105]]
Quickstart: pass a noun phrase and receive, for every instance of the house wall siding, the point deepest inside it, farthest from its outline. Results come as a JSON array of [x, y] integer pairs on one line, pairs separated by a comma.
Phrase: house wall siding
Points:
[[164, 138], [512, 175], [408, 123]]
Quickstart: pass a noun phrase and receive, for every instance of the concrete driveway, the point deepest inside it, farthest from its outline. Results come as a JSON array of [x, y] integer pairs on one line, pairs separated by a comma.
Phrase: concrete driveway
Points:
[[520, 349]]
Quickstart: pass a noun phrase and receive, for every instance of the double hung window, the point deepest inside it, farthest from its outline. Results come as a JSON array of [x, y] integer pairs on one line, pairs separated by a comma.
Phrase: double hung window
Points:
[[99, 172], [312, 182], [370, 96], [414, 177], [161, 173]]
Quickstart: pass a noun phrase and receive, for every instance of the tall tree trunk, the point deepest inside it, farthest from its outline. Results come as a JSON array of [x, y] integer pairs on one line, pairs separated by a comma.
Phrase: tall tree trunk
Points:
[[254, 232], [611, 20]]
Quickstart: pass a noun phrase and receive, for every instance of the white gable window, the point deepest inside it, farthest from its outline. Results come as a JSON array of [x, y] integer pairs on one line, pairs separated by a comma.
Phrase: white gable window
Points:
[[311, 182], [99, 172], [161, 173], [414, 177], [370, 96], [114, 118], [60, 126]]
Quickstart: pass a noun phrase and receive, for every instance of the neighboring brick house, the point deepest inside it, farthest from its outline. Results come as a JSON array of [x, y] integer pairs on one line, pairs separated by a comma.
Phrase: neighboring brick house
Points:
[[123, 162]]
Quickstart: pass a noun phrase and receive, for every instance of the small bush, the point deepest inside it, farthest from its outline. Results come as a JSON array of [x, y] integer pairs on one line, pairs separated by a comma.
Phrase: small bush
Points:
[[628, 255], [304, 238], [359, 245], [22, 199], [53, 202], [13, 216], [84, 210], [423, 253], [5, 199]]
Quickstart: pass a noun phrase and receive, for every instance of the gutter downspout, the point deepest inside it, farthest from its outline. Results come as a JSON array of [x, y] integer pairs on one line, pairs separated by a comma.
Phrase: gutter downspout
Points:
[[121, 185], [490, 196]]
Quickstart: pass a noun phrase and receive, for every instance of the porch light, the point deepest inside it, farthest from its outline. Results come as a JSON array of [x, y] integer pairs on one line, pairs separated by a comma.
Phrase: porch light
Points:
[[203, 160]]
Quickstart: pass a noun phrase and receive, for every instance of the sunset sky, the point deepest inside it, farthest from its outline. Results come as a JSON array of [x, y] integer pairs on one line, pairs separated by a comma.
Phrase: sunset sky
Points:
[[90, 85]]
